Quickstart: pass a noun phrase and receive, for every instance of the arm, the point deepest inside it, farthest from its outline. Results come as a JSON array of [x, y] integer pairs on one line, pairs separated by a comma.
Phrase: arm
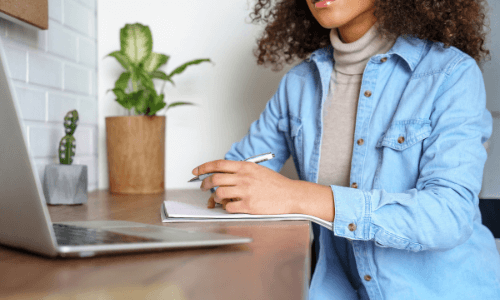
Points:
[[437, 214], [263, 136]]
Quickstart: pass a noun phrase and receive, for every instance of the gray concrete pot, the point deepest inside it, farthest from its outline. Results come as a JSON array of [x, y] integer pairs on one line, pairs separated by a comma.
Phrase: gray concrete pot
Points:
[[65, 184]]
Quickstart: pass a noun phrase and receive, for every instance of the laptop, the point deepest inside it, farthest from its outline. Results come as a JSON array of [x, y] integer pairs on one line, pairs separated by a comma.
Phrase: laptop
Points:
[[24, 219]]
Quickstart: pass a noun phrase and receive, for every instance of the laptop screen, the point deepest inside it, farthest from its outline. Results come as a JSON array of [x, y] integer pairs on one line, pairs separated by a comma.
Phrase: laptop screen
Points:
[[24, 218]]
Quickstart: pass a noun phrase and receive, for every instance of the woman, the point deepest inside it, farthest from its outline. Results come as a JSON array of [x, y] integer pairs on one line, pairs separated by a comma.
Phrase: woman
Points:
[[385, 121]]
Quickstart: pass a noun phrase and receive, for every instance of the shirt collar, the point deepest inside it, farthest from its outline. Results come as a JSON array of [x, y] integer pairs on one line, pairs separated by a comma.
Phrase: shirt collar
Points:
[[407, 47]]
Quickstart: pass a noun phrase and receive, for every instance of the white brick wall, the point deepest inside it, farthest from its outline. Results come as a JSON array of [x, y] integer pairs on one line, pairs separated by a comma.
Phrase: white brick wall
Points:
[[55, 71]]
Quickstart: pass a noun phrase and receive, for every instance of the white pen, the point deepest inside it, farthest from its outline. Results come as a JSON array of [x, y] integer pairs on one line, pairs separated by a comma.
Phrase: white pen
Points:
[[255, 159]]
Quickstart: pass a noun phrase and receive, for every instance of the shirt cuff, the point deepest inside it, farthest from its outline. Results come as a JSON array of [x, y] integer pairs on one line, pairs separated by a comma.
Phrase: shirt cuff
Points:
[[352, 213]]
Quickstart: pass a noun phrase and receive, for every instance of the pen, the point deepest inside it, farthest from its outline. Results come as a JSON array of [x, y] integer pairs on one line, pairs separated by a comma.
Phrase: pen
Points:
[[255, 159]]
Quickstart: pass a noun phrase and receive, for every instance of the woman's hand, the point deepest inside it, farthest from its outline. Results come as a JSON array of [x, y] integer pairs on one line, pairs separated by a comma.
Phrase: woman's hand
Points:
[[211, 202], [253, 188]]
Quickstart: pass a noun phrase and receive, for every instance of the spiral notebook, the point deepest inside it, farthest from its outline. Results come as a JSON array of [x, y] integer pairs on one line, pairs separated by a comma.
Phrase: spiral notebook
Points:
[[191, 206]]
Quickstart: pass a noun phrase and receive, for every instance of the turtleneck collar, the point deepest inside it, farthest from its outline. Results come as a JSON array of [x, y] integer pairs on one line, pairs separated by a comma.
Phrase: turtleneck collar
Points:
[[351, 58]]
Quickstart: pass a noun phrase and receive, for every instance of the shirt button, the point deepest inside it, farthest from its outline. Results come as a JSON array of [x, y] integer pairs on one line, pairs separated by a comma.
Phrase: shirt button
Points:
[[368, 93], [352, 227], [383, 60], [401, 139], [368, 277], [360, 142], [354, 185]]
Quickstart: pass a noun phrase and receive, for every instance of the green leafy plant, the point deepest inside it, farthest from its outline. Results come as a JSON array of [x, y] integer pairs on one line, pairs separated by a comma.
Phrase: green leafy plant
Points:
[[67, 145], [135, 88]]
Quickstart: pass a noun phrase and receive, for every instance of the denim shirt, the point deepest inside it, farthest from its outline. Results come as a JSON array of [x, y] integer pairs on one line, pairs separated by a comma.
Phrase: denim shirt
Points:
[[411, 211]]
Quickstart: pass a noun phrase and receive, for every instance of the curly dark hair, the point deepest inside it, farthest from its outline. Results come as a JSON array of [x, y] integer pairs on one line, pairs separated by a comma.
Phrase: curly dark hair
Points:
[[293, 32]]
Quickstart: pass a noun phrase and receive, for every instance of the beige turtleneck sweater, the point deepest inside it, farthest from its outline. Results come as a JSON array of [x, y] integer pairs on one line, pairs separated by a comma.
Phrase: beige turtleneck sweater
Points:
[[340, 107]]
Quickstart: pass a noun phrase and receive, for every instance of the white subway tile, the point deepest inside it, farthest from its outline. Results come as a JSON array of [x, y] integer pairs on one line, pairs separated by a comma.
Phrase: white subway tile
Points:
[[87, 111], [3, 27], [42, 35], [77, 16], [43, 57], [59, 105], [55, 10], [84, 140], [30, 37], [44, 140], [92, 26], [93, 83], [88, 3], [44, 70], [61, 41], [32, 103], [76, 79], [87, 52], [16, 60], [95, 136]]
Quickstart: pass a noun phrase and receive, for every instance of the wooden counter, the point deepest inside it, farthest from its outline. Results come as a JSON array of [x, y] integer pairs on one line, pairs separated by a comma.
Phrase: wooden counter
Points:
[[276, 265]]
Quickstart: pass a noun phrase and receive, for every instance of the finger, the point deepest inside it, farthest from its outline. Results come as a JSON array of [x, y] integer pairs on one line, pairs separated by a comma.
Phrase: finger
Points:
[[221, 166], [218, 179], [211, 202], [225, 202], [236, 207], [226, 192]]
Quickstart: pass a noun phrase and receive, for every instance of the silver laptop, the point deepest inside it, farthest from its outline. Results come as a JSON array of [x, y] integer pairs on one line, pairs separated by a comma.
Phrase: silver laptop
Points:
[[24, 219]]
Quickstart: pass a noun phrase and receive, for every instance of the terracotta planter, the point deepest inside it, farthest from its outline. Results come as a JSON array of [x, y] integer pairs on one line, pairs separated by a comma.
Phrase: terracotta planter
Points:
[[136, 154]]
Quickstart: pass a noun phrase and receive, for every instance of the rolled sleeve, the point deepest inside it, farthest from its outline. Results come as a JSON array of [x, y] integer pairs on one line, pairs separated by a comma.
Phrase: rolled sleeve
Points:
[[352, 211]]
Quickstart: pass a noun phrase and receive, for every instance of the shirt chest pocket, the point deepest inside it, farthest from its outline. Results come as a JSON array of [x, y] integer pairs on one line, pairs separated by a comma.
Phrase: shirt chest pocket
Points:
[[291, 128], [400, 149]]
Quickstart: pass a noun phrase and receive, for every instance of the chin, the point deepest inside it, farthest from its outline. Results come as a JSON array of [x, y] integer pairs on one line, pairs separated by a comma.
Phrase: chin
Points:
[[331, 21], [330, 25]]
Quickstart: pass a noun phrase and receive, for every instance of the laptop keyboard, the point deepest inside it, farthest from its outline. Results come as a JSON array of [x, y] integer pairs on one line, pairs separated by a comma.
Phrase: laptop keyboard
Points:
[[68, 235]]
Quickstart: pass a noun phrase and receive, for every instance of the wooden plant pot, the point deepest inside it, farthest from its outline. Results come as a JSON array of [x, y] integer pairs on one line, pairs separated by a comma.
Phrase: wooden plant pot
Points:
[[136, 154]]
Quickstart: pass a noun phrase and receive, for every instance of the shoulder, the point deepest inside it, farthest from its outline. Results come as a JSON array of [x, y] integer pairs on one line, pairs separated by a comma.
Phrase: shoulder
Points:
[[301, 75], [438, 59], [303, 69], [452, 69], [308, 68]]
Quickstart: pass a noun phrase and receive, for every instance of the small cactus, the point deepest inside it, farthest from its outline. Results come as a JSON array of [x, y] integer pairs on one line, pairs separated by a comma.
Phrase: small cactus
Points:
[[67, 145]]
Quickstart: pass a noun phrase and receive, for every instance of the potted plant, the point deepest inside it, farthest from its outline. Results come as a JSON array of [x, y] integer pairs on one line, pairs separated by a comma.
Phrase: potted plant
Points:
[[65, 183], [136, 143]]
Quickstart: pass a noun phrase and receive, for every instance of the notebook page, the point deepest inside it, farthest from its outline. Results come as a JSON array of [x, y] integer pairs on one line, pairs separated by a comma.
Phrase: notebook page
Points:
[[197, 211]]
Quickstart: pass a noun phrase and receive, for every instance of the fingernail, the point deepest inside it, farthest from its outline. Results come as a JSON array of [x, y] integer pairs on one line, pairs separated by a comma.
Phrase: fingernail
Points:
[[195, 171]]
